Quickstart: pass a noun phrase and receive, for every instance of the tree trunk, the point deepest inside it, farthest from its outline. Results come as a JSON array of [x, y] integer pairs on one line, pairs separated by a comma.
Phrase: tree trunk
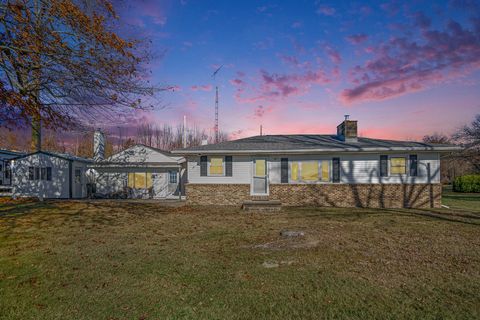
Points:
[[36, 144]]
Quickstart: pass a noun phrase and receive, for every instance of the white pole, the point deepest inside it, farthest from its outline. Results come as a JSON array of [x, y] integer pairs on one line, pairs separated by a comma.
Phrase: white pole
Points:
[[184, 131]]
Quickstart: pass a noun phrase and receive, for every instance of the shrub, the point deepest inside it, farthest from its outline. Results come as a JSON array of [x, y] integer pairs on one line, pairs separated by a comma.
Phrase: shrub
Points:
[[467, 183]]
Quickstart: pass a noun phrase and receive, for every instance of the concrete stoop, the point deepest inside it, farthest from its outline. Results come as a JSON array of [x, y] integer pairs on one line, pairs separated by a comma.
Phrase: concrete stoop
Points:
[[5, 191], [262, 205]]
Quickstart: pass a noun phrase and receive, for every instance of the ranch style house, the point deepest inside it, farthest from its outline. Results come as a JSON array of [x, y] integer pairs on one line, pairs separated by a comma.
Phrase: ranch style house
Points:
[[339, 169]]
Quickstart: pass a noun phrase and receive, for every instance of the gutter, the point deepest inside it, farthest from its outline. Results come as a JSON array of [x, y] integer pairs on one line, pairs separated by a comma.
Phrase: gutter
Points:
[[133, 165], [320, 151]]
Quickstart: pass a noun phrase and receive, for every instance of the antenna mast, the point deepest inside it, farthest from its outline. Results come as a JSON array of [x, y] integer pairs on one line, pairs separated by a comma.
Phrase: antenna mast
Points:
[[215, 128], [216, 115]]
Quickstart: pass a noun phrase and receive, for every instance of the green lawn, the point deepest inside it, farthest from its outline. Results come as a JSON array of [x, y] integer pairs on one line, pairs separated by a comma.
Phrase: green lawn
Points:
[[131, 260], [461, 201]]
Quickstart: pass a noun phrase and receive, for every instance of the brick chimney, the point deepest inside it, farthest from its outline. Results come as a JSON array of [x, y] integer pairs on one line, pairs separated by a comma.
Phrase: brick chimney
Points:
[[347, 130]]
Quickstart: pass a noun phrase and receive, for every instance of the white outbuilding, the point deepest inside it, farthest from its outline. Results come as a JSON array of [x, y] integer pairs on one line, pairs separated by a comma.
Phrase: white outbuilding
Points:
[[139, 172], [49, 175]]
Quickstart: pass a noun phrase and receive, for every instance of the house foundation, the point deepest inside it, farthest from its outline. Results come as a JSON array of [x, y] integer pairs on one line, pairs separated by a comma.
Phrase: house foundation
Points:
[[328, 195]]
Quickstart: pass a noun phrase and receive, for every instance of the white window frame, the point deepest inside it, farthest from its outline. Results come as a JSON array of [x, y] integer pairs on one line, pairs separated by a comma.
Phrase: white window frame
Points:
[[172, 173], [209, 163], [407, 166], [319, 164]]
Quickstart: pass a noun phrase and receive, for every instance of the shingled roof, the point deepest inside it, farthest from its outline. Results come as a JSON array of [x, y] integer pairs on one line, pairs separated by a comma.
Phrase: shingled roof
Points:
[[311, 143]]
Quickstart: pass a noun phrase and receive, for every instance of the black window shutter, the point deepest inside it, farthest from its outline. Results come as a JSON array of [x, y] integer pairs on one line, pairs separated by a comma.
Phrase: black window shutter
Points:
[[284, 170], [383, 166], [30, 173], [228, 166], [413, 165], [49, 173], [336, 169], [37, 173], [203, 166]]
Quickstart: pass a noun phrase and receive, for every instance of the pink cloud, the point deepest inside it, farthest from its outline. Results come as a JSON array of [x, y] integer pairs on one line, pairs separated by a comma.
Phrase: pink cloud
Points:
[[274, 86], [206, 87], [260, 111], [174, 88], [402, 65], [357, 38], [290, 60], [333, 54], [152, 9]]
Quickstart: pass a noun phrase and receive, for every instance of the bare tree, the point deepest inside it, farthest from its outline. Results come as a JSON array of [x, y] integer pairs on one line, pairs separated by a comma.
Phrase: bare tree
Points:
[[436, 138], [167, 137], [469, 137]]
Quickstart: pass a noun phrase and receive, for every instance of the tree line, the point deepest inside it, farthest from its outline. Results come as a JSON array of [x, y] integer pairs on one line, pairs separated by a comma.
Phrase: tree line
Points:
[[80, 143], [463, 162]]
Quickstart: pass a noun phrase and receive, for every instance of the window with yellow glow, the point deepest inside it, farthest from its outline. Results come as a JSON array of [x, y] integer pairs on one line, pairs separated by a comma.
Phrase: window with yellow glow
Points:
[[294, 171], [260, 167], [310, 171], [398, 165], [325, 171], [140, 180], [216, 166], [131, 179]]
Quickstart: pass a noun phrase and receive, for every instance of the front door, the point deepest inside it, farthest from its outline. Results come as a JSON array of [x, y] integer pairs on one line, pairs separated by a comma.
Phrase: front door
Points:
[[160, 185], [260, 177]]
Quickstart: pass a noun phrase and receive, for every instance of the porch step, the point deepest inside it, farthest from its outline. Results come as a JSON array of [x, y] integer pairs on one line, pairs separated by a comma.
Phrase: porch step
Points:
[[262, 205], [5, 191], [260, 198]]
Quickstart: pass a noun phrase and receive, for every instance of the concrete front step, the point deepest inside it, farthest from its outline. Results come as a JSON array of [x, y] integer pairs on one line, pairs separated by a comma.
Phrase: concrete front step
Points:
[[262, 205]]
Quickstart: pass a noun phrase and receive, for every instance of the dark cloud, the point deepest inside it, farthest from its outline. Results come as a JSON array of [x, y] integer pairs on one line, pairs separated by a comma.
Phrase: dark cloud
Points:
[[421, 20]]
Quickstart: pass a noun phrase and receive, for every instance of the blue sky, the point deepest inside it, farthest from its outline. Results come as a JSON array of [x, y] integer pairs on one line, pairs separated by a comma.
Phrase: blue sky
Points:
[[403, 69]]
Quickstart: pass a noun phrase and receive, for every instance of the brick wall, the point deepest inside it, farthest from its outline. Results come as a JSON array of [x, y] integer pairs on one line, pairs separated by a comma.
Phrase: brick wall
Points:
[[359, 195], [338, 195], [217, 194]]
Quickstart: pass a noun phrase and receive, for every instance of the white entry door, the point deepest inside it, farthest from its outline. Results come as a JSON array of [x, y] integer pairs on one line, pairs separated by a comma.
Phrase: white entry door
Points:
[[260, 177], [160, 185], [78, 183]]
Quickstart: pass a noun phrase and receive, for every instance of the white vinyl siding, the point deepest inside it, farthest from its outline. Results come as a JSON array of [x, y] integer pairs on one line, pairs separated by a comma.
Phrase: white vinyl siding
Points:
[[112, 180], [354, 168], [365, 168], [241, 167], [57, 187]]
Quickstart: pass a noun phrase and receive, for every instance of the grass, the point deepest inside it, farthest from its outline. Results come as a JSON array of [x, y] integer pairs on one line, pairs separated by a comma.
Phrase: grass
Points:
[[461, 201], [134, 260]]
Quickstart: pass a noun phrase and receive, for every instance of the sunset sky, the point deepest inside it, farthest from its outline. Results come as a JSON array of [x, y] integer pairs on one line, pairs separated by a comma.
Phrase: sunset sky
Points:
[[403, 69]]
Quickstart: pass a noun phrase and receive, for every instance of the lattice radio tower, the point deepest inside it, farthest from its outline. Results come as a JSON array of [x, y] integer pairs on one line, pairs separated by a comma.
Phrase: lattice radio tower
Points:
[[215, 128]]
